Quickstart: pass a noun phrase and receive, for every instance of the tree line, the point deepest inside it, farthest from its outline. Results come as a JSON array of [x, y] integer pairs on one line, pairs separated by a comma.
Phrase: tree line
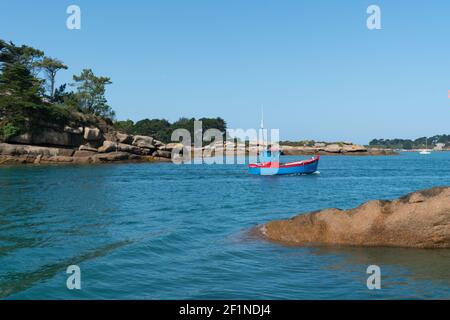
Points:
[[29, 97], [28, 93], [162, 129], [408, 144]]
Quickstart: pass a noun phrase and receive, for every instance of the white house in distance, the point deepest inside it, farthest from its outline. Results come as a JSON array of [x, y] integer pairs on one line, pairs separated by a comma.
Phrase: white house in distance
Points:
[[439, 147]]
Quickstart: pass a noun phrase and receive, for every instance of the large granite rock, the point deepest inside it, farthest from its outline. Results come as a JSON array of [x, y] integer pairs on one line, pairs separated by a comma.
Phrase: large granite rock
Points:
[[143, 142], [92, 134], [112, 156], [84, 153], [57, 159], [333, 148], [173, 145], [163, 154], [353, 148], [26, 150], [133, 149], [124, 138], [50, 137], [158, 144], [78, 130], [108, 146], [87, 147], [420, 219]]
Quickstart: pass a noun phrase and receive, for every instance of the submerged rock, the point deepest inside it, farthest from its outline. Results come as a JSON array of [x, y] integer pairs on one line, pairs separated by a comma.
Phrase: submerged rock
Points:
[[420, 220]]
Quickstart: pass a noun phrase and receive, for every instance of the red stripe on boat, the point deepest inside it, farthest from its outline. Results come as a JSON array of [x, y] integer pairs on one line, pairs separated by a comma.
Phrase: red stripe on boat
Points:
[[285, 165]]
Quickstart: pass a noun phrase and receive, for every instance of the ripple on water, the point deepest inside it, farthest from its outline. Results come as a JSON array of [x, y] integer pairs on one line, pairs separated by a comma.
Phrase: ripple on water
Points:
[[162, 231]]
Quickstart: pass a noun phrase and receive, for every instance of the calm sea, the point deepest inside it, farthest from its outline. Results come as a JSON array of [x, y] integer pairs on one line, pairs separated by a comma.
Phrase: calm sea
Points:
[[160, 231]]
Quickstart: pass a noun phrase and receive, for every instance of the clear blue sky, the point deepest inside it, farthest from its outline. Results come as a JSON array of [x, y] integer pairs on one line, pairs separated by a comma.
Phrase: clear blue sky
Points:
[[316, 68]]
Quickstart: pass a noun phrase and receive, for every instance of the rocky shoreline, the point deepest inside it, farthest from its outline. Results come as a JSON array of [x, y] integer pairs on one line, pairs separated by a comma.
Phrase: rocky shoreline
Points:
[[82, 145], [26, 154], [343, 149], [138, 149], [97, 141], [417, 220]]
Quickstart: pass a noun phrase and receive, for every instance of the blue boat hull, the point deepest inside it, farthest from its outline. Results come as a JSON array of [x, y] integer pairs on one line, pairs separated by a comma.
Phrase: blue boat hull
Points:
[[306, 167]]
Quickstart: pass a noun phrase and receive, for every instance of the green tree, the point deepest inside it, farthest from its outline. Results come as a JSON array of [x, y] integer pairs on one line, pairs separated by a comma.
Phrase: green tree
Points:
[[17, 83], [213, 123], [21, 106], [91, 94], [50, 67], [184, 123], [16, 67], [24, 55], [126, 126], [157, 128], [65, 98]]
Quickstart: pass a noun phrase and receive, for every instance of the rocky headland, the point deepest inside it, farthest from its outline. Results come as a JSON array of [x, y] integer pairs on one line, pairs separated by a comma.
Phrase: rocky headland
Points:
[[92, 140], [420, 220], [344, 148], [330, 149]]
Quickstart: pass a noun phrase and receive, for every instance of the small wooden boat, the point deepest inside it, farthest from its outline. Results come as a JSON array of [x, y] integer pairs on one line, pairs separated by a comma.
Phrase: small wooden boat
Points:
[[270, 168], [269, 163]]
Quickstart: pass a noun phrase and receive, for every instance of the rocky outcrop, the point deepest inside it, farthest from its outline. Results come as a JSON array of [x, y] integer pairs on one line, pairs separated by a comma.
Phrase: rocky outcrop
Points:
[[171, 146], [11, 154], [92, 145], [87, 147], [108, 146], [333, 148], [162, 153], [12, 150], [346, 148], [143, 142], [81, 138], [132, 149], [92, 134], [420, 220], [69, 138], [124, 138]]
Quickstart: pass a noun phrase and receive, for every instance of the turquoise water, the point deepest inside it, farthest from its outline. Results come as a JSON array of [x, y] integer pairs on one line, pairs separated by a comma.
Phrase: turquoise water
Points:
[[160, 231]]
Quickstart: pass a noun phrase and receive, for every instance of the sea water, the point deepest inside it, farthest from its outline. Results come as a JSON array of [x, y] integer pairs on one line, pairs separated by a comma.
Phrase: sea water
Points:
[[165, 231]]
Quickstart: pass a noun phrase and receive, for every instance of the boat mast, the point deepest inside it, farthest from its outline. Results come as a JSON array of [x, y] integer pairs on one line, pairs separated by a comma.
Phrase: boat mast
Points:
[[262, 129], [262, 117]]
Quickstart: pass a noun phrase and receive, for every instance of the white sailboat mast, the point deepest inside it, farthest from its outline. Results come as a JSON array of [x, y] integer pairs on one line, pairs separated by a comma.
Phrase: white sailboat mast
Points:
[[262, 117]]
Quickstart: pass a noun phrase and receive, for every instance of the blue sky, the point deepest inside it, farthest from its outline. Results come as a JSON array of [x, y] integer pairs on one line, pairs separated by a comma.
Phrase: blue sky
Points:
[[316, 68]]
